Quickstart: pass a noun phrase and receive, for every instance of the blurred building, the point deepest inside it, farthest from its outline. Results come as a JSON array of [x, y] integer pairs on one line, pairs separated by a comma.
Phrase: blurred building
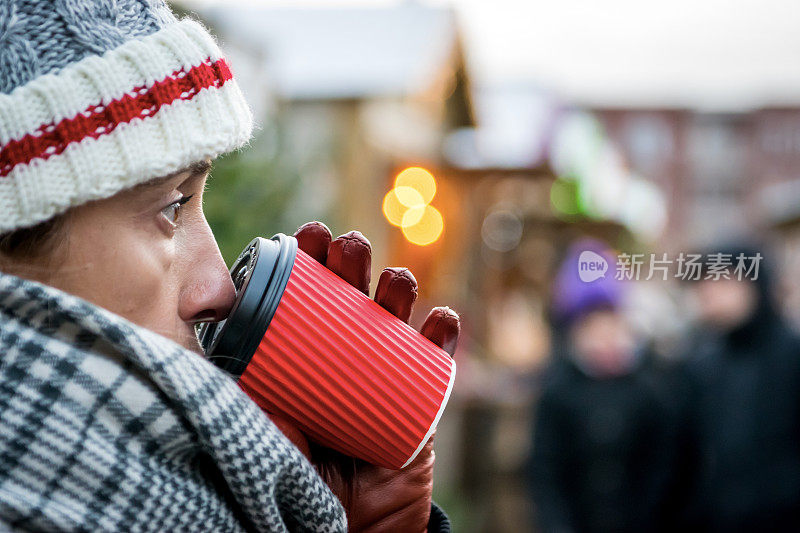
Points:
[[357, 94], [725, 174]]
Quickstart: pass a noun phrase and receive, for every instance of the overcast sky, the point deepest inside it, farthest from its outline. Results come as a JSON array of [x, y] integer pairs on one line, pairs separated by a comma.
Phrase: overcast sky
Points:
[[700, 53]]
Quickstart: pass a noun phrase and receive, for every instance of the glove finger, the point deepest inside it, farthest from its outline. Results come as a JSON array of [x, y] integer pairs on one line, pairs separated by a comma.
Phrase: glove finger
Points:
[[442, 327], [350, 257], [292, 433], [314, 238], [397, 291]]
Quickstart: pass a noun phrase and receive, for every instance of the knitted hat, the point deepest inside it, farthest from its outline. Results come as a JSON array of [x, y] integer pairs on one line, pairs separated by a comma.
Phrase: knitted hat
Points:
[[99, 95], [574, 297]]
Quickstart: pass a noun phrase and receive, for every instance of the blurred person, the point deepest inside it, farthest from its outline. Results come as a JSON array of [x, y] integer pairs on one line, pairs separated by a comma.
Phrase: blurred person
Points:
[[603, 432], [111, 419], [743, 418]]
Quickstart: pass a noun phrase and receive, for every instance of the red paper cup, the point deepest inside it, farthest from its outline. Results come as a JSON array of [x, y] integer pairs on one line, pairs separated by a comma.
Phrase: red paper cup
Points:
[[306, 345]]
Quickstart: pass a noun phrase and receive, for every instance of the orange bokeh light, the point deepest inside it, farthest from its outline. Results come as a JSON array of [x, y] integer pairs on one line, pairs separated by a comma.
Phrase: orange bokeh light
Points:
[[394, 208], [419, 179], [407, 206], [428, 227]]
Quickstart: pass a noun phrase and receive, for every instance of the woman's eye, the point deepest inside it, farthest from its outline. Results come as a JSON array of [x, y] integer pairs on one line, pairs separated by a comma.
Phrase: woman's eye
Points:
[[172, 211]]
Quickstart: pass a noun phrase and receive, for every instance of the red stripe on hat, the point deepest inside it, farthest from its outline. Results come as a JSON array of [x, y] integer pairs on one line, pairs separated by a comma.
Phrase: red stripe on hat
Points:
[[97, 120]]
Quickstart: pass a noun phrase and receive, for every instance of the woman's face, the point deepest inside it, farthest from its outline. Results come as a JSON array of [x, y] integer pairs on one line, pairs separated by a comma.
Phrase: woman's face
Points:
[[148, 255]]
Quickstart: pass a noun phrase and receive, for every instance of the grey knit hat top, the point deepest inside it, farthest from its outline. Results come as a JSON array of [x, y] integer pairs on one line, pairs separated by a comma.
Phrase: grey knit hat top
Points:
[[43, 36], [99, 95]]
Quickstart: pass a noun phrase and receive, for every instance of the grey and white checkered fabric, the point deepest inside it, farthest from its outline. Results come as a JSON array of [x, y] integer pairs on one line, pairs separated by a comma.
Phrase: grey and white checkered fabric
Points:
[[105, 426]]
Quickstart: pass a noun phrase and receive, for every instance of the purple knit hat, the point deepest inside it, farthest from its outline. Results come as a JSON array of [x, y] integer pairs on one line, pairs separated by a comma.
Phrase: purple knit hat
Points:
[[585, 282]]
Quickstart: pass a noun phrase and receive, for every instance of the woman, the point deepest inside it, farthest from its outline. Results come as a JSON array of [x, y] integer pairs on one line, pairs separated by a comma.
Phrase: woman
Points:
[[110, 418]]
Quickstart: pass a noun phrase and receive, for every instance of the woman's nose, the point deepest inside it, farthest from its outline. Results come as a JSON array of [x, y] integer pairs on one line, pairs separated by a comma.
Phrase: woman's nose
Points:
[[208, 293]]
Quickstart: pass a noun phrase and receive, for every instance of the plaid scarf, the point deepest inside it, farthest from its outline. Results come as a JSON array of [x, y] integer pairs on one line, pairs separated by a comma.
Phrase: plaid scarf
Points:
[[106, 426]]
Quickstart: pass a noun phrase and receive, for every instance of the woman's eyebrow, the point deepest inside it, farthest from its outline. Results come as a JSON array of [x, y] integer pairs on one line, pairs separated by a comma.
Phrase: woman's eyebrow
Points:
[[200, 167], [175, 180]]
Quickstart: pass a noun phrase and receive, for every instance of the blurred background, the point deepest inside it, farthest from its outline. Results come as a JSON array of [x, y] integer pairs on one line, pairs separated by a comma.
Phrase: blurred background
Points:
[[474, 141]]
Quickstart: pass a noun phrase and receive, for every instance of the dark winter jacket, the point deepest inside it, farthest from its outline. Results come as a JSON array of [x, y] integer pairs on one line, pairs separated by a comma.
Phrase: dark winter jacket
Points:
[[744, 422], [598, 462]]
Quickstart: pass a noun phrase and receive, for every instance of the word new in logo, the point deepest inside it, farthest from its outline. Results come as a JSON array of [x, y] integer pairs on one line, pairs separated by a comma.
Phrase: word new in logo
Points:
[[591, 266]]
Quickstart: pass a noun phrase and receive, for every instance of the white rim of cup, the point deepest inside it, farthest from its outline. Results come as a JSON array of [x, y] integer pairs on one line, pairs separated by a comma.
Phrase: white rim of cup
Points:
[[438, 415]]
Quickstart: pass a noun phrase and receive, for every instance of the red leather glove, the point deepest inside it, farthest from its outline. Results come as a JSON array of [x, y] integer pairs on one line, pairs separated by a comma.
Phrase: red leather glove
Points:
[[374, 498]]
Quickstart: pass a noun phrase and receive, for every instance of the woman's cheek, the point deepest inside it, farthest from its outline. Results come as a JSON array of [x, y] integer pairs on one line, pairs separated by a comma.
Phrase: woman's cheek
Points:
[[147, 272]]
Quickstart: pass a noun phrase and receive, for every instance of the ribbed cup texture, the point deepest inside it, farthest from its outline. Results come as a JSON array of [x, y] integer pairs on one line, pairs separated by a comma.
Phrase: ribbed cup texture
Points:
[[351, 375]]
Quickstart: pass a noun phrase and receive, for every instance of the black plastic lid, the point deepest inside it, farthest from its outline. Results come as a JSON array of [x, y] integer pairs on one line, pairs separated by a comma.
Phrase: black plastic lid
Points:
[[260, 275]]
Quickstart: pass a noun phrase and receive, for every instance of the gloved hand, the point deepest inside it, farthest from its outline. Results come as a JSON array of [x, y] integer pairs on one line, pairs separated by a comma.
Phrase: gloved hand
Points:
[[374, 498]]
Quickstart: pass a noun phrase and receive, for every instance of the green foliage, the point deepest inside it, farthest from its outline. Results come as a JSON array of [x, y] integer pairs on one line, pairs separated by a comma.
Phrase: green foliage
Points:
[[565, 198], [454, 504]]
